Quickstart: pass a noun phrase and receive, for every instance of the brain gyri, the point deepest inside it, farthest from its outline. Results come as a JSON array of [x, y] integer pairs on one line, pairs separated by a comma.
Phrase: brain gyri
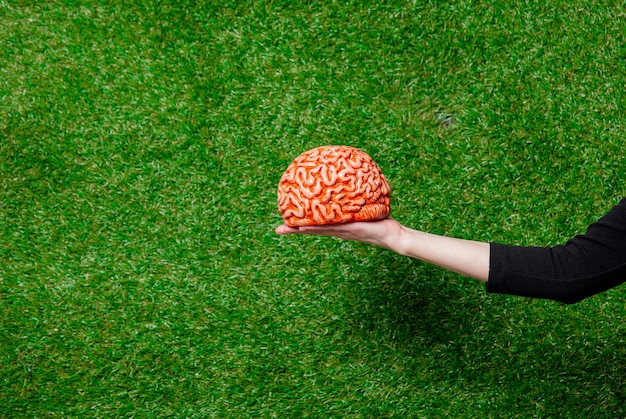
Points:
[[332, 185]]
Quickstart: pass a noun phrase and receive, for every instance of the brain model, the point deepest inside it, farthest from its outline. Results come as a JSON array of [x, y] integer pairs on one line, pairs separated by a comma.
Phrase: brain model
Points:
[[332, 185]]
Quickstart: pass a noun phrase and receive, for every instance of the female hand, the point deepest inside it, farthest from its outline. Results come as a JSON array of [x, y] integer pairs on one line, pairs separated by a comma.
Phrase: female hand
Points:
[[385, 233]]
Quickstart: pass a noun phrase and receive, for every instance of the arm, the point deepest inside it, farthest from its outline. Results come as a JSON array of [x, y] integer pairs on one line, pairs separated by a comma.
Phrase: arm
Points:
[[470, 258], [586, 265]]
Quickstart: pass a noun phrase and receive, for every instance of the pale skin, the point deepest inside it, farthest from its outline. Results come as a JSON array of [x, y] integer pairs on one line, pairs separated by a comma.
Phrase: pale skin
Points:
[[466, 257]]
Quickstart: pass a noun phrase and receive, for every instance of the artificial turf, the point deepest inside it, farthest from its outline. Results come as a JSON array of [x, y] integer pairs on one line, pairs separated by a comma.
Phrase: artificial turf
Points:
[[141, 143]]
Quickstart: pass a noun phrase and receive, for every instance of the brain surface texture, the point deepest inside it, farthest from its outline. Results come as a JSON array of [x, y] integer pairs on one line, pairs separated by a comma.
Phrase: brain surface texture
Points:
[[332, 185]]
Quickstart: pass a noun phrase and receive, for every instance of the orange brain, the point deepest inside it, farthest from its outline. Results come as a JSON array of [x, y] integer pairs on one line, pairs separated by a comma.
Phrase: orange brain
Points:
[[332, 185]]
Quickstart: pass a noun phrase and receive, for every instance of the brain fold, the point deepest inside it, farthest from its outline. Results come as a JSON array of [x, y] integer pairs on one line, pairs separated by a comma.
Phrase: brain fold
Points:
[[331, 185]]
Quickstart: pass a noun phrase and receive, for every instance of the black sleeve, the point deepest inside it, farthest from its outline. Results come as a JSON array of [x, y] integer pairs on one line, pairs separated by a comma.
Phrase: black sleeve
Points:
[[584, 266]]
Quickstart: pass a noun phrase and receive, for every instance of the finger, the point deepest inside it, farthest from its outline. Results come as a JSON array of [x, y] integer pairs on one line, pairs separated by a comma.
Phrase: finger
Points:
[[324, 230], [284, 229]]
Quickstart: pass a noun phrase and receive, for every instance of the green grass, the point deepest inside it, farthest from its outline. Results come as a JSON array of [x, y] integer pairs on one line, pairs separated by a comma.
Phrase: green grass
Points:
[[141, 143]]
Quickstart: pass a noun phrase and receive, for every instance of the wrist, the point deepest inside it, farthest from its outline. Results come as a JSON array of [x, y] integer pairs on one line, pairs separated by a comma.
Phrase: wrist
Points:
[[400, 242]]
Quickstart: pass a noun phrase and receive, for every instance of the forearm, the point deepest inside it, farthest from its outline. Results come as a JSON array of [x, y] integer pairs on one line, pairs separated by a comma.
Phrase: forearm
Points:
[[467, 257]]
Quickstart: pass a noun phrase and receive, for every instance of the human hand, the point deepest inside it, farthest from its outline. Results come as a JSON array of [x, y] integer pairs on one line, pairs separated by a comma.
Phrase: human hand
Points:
[[385, 233]]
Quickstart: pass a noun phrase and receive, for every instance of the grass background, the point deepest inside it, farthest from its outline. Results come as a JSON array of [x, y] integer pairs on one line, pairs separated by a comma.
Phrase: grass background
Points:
[[141, 143]]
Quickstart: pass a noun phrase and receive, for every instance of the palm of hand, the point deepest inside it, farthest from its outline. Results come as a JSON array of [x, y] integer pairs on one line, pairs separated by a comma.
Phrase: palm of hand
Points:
[[380, 232]]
